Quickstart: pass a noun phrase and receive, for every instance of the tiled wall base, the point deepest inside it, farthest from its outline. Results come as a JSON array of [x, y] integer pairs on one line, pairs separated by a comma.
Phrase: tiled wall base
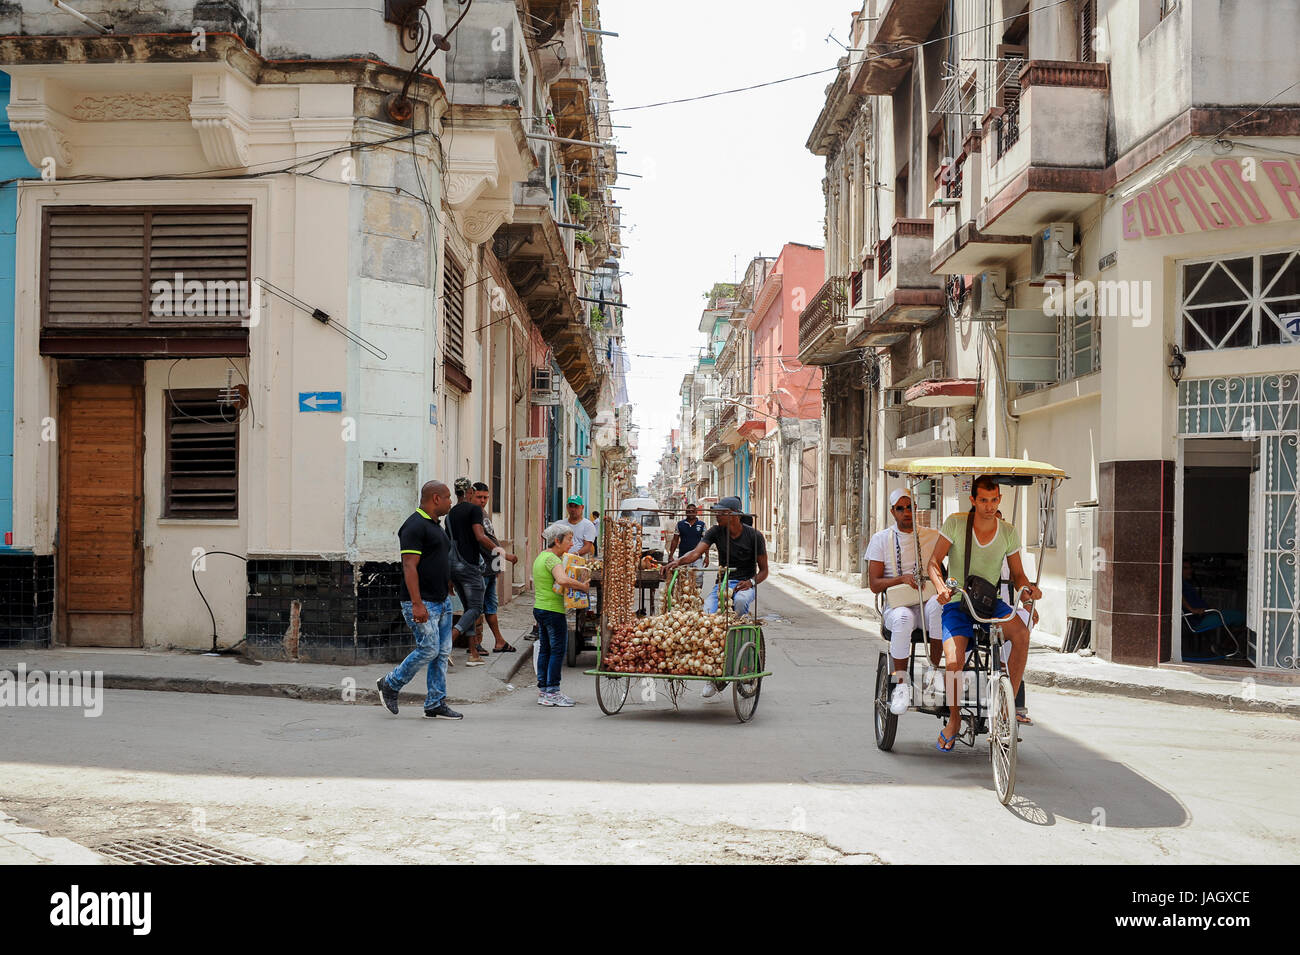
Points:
[[26, 599], [326, 611]]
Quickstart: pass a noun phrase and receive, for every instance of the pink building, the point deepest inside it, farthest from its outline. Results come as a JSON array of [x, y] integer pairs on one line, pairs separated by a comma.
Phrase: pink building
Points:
[[784, 482]]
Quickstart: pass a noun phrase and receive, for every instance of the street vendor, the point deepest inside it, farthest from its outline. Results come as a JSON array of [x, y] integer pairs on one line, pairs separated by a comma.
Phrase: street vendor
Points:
[[741, 549]]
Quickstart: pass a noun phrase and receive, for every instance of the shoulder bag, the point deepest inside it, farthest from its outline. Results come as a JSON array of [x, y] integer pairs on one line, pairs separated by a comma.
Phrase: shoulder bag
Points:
[[983, 595]]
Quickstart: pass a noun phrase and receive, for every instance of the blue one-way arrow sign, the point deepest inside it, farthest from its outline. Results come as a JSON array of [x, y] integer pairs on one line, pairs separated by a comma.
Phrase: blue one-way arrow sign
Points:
[[320, 401]]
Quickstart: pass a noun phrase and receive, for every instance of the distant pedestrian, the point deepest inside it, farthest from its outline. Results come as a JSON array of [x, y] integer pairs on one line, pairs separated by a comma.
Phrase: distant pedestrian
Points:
[[496, 560], [584, 532], [426, 571], [595, 545], [465, 525], [549, 580]]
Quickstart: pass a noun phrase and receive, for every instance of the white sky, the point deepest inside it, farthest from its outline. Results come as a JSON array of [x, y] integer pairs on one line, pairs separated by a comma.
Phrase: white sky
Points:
[[725, 179]]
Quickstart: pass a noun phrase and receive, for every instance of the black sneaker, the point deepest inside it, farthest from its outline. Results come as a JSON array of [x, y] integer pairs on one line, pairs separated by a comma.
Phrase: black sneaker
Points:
[[387, 695], [442, 712]]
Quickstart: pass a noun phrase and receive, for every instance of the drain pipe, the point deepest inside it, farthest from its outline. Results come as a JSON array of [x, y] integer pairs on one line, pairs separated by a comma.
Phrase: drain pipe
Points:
[[82, 17]]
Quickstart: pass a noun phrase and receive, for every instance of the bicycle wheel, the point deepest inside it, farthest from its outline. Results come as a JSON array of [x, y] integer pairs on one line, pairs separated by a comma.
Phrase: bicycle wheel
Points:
[[886, 723], [611, 693], [744, 693], [1003, 735]]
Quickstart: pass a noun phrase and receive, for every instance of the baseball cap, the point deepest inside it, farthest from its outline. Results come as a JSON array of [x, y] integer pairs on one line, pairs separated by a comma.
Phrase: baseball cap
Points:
[[576, 499], [728, 504], [896, 494]]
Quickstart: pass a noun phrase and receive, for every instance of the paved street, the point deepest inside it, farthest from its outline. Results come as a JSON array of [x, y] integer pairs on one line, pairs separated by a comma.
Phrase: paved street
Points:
[[293, 781]]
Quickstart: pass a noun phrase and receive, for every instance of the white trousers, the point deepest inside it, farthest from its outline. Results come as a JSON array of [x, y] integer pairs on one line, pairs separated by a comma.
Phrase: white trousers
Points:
[[901, 621]]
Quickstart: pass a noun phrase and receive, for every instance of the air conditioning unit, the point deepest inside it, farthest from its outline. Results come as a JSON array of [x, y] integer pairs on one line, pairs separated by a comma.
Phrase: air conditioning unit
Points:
[[934, 370], [988, 296], [1053, 252], [545, 390], [894, 397]]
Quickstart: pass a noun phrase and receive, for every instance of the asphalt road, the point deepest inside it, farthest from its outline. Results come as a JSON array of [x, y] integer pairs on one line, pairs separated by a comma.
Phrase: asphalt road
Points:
[[1101, 779]]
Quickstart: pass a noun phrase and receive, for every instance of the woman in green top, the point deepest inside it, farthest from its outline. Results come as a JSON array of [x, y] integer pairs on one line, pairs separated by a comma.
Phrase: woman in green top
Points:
[[992, 541], [549, 581]]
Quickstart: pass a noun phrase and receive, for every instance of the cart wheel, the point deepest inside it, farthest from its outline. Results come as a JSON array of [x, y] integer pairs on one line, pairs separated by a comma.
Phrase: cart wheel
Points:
[[1003, 734], [611, 693], [744, 693], [886, 723]]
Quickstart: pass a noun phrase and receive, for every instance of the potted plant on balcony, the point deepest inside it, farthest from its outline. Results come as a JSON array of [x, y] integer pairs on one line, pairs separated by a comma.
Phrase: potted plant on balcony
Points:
[[585, 238], [579, 207], [597, 319]]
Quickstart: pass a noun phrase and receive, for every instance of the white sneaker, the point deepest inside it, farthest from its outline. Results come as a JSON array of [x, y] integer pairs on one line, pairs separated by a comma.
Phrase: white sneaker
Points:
[[900, 699], [559, 699], [546, 699], [710, 691]]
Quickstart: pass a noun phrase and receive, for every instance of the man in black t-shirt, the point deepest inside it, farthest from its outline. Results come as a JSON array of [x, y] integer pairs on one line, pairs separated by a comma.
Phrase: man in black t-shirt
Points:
[[426, 572], [741, 549], [465, 525]]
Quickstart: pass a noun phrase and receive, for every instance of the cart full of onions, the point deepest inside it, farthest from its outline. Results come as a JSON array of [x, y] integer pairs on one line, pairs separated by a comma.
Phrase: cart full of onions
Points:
[[680, 643], [618, 581]]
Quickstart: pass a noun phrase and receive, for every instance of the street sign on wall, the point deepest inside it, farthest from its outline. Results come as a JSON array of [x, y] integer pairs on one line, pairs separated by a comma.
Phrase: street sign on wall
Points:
[[531, 449], [320, 401]]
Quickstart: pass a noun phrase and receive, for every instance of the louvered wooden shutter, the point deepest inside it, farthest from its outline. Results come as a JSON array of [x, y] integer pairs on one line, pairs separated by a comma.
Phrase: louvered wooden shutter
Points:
[[210, 247], [99, 263], [453, 310], [1087, 31], [1011, 58], [94, 267], [202, 476]]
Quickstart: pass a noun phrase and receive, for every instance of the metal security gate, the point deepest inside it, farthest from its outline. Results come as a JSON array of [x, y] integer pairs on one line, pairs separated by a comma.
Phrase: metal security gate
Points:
[[1264, 408], [808, 506]]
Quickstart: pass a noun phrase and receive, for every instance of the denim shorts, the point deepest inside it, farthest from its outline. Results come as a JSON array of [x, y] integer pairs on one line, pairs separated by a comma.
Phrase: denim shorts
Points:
[[957, 622], [489, 594]]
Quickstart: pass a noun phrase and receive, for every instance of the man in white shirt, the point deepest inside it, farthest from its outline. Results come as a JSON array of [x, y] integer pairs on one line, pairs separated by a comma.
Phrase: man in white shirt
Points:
[[584, 532], [892, 562]]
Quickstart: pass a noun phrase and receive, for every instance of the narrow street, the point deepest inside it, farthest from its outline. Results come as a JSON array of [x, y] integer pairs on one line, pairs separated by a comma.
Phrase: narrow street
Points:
[[1101, 779]]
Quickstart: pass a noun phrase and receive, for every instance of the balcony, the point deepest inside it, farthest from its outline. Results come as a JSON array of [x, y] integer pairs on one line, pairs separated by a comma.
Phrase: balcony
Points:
[[824, 323], [959, 247], [908, 294], [899, 24], [1043, 156]]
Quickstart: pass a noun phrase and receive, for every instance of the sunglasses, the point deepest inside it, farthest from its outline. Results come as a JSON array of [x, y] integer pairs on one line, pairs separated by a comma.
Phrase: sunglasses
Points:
[[902, 507]]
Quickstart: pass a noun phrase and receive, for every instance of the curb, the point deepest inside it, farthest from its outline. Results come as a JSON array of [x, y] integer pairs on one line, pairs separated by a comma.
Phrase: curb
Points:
[[1184, 697], [307, 692]]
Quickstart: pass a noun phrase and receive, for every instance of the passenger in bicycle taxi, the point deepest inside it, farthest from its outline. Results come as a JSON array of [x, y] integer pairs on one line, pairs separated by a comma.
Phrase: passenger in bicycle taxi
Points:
[[991, 542], [893, 570]]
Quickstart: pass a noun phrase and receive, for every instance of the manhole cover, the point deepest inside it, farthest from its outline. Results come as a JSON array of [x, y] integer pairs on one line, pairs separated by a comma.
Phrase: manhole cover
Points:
[[309, 731], [170, 852], [838, 779]]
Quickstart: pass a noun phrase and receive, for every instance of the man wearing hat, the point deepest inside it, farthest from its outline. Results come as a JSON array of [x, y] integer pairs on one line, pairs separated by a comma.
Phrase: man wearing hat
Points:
[[584, 532], [892, 563], [741, 549]]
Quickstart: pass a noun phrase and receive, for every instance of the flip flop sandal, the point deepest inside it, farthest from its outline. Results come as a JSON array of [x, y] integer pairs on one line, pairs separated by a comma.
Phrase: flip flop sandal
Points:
[[482, 650], [506, 649], [475, 663], [950, 741], [1023, 719]]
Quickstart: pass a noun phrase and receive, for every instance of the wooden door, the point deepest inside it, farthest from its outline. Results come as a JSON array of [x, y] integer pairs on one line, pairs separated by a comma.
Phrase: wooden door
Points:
[[100, 493], [808, 506]]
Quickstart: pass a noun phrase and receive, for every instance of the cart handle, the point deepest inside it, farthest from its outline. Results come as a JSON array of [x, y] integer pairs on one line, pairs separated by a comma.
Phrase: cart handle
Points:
[[989, 620]]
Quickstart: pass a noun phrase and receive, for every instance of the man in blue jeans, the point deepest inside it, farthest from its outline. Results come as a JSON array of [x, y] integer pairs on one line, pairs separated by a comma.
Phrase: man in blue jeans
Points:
[[426, 570]]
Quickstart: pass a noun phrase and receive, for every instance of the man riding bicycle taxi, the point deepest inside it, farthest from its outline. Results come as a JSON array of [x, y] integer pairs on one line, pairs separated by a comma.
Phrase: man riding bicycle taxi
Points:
[[990, 541]]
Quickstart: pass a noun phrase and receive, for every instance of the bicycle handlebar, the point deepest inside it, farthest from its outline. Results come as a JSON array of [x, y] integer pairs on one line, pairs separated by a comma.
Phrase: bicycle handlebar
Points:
[[987, 620]]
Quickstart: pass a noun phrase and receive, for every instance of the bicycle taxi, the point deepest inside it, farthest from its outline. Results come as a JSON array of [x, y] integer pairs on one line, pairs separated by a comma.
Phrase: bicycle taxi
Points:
[[988, 699]]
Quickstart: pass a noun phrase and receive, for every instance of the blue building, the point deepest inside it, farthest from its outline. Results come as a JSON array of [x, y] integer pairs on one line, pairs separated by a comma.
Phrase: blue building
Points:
[[26, 580]]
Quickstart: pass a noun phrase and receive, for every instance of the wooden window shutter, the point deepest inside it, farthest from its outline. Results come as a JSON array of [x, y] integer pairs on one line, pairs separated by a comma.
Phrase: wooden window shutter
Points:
[[1087, 31], [99, 263], [202, 455], [453, 311], [1012, 58]]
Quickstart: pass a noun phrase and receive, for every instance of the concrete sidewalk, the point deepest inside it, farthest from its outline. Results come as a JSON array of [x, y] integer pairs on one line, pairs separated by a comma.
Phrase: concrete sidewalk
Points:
[[194, 672], [22, 845], [1230, 688]]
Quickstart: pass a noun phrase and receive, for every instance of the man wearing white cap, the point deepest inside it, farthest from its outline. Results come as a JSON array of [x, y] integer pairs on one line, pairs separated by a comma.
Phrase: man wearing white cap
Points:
[[892, 569]]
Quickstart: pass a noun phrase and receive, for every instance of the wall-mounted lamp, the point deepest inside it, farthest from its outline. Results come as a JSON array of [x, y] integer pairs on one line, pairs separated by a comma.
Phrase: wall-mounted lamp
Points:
[[1177, 362]]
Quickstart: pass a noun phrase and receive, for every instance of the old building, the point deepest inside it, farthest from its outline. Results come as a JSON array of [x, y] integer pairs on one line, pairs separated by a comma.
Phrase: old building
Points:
[[276, 270], [1109, 206]]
